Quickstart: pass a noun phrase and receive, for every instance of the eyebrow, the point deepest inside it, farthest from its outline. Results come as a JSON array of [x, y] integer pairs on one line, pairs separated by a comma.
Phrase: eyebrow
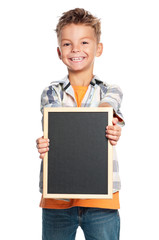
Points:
[[65, 39]]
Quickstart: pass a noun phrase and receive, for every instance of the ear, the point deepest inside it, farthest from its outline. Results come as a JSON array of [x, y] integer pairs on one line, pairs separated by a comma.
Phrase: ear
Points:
[[59, 52], [99, 49]]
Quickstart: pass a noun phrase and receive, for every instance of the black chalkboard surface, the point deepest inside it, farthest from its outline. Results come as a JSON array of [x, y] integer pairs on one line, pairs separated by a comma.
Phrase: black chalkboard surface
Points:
[[79, 162]]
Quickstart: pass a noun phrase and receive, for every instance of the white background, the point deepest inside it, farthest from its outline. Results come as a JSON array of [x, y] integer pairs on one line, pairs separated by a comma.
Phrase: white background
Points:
[[28, 63]]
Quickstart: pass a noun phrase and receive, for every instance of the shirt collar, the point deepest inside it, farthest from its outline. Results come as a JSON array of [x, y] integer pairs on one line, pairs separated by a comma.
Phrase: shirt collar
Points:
[[95, 80]]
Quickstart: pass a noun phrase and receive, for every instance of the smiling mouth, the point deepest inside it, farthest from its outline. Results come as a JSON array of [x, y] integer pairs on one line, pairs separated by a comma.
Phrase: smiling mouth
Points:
[[77, 59]]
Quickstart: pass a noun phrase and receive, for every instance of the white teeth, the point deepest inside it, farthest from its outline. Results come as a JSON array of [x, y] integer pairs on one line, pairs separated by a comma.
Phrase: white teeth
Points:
[[77, 59]]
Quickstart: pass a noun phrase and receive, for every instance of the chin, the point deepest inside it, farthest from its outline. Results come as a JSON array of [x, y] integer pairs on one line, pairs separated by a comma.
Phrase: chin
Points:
[[77, 69]]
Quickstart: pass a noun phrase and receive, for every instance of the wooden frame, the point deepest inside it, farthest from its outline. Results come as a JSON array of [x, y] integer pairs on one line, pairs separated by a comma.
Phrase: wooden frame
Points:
[[46, 194]]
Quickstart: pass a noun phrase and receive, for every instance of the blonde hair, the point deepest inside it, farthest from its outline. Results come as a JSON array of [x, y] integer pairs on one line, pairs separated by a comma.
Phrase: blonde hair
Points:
[[79, 16]]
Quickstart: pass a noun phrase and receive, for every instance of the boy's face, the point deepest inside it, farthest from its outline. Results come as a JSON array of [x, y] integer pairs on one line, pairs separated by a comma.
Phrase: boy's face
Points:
[[78, 47]]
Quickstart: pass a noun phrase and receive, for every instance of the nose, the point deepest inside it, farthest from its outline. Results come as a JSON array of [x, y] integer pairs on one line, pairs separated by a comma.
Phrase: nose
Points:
[[75, 48]]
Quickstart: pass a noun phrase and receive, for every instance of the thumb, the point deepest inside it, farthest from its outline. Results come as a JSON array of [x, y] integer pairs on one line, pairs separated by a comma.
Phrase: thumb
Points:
[[115, 121]]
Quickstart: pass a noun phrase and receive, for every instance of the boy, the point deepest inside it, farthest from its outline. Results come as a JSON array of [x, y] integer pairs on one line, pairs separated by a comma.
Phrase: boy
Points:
[[78, 34]]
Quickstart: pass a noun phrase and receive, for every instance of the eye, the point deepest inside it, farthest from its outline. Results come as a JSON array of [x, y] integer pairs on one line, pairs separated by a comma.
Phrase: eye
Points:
[[66, 44], [84, 42]]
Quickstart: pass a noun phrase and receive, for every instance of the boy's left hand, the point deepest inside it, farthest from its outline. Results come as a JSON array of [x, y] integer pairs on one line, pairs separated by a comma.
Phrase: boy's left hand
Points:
[[113, 133]]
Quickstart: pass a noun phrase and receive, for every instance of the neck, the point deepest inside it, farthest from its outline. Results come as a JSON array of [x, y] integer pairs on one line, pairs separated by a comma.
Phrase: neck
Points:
[[80, 78]]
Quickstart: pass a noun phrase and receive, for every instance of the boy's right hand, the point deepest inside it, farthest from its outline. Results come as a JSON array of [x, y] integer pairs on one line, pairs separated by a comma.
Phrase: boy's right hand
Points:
[[42, 146]]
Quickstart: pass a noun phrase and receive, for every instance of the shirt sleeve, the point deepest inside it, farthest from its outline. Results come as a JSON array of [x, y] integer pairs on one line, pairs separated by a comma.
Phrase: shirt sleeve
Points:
[[49, 98], [112, 94]]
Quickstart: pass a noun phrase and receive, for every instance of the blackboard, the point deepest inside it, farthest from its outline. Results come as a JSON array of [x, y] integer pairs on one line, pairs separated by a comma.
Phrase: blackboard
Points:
[[79, 161]]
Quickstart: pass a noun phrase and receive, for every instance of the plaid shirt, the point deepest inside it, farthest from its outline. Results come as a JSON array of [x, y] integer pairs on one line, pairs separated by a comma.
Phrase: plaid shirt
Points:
[[61, 94]]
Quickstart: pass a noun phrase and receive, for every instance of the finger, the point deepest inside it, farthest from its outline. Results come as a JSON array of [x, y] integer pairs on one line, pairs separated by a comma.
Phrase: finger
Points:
[[111, 137], [113, 142], [43, 150], [116, 128], [42, 140], [42, 156], [39, 139], [115, 121], [114, 133], [43, 145]]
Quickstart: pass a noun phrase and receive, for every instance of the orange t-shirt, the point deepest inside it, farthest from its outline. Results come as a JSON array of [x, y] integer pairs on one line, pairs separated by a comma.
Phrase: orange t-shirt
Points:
[[96, 203]]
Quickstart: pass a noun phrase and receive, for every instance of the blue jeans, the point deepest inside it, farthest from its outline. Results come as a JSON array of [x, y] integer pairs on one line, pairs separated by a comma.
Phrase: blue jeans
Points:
[[96, 223]]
